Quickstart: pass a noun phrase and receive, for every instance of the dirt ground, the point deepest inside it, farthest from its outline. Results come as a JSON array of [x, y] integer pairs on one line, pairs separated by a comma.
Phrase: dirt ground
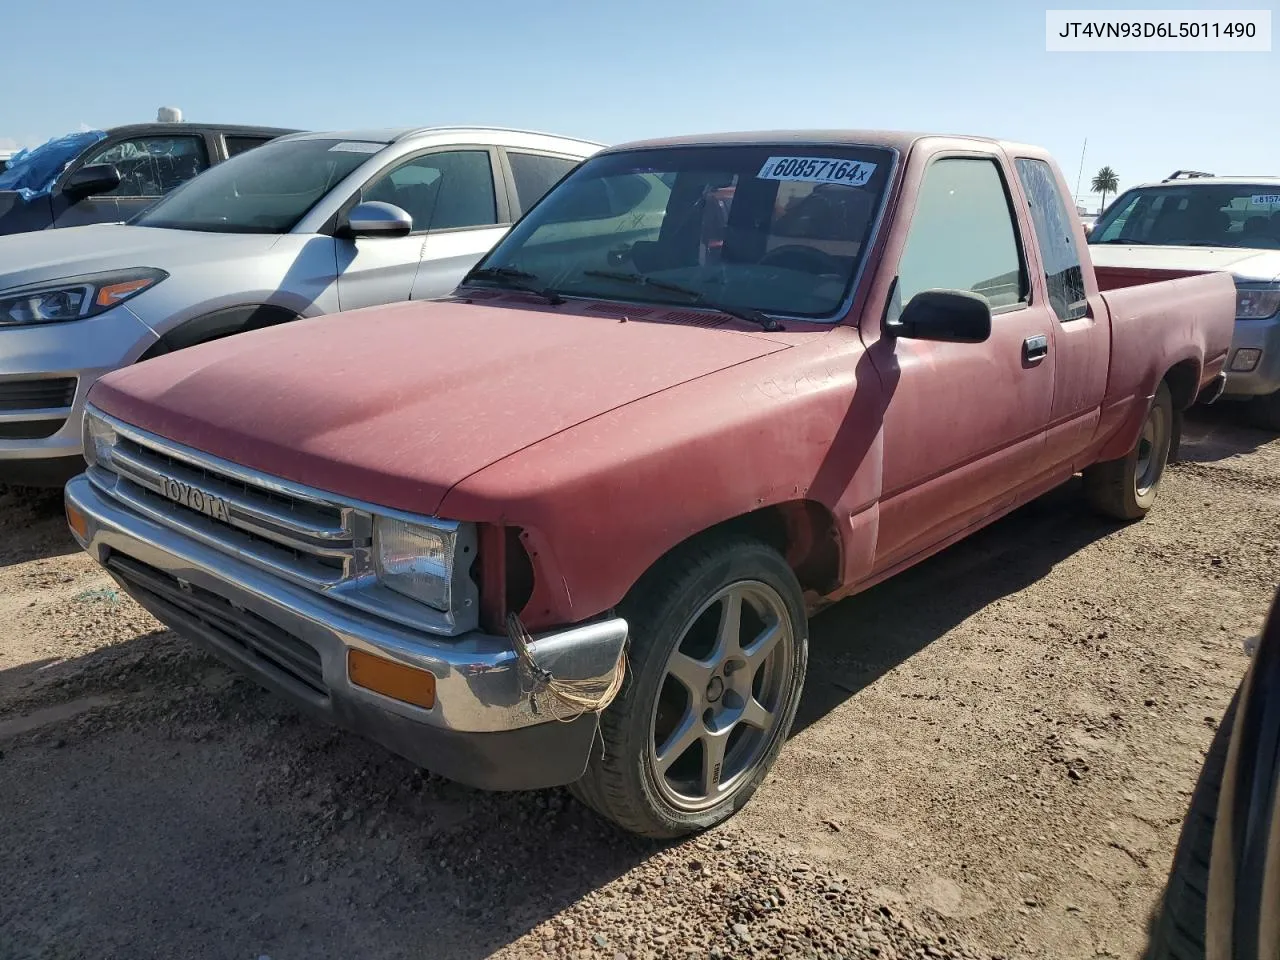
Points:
[[994, 755]]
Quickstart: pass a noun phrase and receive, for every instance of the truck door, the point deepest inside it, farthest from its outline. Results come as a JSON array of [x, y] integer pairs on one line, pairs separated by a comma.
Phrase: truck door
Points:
[[964, 423]]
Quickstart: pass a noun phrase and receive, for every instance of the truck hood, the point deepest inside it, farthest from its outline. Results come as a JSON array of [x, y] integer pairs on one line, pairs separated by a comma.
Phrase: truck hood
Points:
[[395, 405], [70, 251], [1248, 265]]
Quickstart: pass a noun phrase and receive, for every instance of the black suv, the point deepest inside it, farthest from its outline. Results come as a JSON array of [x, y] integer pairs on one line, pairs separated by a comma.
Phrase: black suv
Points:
[[104, 177]]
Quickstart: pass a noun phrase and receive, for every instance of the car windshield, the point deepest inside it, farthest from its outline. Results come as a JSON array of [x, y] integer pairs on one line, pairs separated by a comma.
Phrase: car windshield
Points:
[[771, 228], [1196, 215], [264, 190]]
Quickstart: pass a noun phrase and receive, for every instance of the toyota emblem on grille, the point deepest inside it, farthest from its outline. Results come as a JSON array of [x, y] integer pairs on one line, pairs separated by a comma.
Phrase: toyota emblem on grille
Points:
[[195, 499]]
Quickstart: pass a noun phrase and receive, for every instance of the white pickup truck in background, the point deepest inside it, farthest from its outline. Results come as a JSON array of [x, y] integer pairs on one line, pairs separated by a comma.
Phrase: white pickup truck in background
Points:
[[1203, 222]]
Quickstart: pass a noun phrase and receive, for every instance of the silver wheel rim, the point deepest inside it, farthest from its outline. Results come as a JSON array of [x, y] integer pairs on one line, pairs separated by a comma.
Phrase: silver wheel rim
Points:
[[722, 692], [1150, 459]]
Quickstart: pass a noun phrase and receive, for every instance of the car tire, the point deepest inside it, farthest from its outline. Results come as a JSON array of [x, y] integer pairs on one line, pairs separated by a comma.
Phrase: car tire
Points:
[[710, 697], [1178, 924], [1125, 489], [1264, 411]]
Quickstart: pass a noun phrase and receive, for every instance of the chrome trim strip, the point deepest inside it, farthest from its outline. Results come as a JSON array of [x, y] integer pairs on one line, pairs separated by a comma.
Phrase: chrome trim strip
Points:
[[35, 413]]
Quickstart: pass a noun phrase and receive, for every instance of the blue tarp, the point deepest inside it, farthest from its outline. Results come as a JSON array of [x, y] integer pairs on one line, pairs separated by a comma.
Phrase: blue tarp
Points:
[[32, 173]]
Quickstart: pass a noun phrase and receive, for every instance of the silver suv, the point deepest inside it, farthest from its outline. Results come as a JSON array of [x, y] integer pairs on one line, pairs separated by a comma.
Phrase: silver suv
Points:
[[308, 224]]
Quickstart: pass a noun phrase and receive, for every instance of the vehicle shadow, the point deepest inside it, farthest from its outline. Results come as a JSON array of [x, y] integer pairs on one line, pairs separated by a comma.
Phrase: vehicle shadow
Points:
[[32, 525], [238, 827], [855, 642], [1219, 432]]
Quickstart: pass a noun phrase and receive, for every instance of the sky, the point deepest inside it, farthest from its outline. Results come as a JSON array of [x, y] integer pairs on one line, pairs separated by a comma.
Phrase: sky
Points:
[[614, 72]]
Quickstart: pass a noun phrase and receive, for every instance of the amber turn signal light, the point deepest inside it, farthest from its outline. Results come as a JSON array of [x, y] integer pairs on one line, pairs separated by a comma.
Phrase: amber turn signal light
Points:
[[113, 293], [77, 522], [392, 679]]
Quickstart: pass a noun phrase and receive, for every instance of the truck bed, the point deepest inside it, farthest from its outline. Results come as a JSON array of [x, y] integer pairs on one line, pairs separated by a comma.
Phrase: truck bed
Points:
[[1160, 318]]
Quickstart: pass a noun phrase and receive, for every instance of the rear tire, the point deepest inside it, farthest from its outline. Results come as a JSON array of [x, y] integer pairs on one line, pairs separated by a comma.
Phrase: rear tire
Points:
[[711, 693], [1178, 926], [1125, 489], [1264, 412]]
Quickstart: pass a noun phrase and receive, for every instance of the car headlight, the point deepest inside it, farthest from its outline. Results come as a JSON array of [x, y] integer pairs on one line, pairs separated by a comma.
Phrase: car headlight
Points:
[[74, 298], [414, 560], [99, 439], [1256, 303]]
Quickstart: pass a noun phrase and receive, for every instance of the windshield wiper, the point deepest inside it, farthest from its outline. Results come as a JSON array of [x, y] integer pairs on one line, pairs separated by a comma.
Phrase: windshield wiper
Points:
[[1128, 243], [697, 296], [516, 279]]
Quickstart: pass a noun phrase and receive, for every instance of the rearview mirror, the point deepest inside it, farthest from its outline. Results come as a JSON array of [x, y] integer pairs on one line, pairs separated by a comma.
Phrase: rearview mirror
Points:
[[949, 316], [94, 178], [374, 218]]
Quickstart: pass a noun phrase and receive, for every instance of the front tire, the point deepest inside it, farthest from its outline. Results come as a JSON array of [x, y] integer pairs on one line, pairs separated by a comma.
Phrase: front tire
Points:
[[719, 647], [1125, 489]]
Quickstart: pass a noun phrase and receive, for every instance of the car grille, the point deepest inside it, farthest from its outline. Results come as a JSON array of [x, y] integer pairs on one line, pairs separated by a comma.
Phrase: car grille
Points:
[[29, 429], [46, 394], [304, 538], [270, 649]]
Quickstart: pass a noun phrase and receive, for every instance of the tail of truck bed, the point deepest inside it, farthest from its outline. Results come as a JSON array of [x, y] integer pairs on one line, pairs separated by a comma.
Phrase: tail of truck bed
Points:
[[1174, 323]]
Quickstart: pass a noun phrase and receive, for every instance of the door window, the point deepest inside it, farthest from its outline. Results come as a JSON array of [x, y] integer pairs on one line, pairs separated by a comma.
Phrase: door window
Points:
[[535, 174], [962, 237], [152, 166], [239, 144], [1055, 237], [440, 191]]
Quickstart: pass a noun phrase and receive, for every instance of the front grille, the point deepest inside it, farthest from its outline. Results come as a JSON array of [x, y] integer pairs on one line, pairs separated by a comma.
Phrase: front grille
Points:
[[47, 394], [307, 539], [270, 649], [29, 429]]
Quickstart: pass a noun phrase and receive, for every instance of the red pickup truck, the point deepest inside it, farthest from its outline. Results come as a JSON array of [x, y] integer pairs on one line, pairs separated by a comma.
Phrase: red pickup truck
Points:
[[567, 525]]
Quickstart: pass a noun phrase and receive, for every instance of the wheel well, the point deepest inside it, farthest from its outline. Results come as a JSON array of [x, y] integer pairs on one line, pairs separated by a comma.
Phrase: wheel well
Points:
[[1183, 380], [219, 324], [803, 531]]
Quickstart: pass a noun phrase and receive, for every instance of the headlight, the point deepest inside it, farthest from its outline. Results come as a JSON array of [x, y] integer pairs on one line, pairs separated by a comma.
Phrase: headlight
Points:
[[74, 298], [415, 560], [99, 438], [1257, 302]]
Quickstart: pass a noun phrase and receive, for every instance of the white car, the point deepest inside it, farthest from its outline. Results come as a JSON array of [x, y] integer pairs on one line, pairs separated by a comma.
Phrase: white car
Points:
[[1204, 222], [305, 225]]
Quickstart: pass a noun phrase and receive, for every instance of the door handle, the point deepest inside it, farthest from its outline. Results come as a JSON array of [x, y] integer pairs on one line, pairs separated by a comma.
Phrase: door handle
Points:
[[1035, 349]]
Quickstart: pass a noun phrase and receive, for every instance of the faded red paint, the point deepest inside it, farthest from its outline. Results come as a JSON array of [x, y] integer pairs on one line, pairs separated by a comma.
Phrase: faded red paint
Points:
[[608, 442]]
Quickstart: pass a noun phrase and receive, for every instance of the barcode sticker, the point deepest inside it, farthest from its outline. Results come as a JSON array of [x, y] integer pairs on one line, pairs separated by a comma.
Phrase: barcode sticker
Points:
[[356, 146], [851, 173]]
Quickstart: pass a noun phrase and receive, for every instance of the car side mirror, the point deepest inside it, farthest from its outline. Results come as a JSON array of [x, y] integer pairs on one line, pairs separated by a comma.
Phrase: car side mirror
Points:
[[949, 316], [374, 218], [92, 179]]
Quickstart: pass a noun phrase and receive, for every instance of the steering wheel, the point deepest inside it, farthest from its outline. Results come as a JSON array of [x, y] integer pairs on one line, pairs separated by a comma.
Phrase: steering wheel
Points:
[[795, 256]]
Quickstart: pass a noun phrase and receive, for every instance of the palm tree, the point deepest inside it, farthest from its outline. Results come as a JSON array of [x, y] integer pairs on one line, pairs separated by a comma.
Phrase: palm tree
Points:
[[1105, 182]]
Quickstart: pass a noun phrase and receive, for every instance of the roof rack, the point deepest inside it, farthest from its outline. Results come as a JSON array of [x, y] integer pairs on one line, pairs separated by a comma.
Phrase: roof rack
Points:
[[1186, 175]]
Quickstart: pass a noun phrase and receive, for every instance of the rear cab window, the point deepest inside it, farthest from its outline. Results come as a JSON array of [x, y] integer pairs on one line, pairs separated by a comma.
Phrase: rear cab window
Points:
[[1055, 238], [1194, 215]]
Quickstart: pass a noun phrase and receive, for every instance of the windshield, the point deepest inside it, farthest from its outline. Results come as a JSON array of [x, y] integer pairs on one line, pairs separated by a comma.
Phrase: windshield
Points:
[[1206, 215], [779, 229], [34, 172], [264, 190]]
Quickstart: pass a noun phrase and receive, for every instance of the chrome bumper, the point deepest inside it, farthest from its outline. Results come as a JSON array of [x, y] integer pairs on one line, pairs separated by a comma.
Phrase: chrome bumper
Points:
[[1264, 378], [486, 729]]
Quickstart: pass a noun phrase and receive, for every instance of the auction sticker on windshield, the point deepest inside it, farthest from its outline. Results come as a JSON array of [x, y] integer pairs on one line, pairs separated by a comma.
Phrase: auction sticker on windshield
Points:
[[1262, 199], [851, 173], [356, 146]]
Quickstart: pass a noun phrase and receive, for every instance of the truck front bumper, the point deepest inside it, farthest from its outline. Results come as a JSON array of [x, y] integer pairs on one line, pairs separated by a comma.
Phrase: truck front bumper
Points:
[[1264, 377], [487, 728]]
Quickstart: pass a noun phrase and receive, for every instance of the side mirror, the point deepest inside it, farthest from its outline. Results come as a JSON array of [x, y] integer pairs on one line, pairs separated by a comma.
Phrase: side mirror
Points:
[[95, 178], [950, 316], [373, 218]]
